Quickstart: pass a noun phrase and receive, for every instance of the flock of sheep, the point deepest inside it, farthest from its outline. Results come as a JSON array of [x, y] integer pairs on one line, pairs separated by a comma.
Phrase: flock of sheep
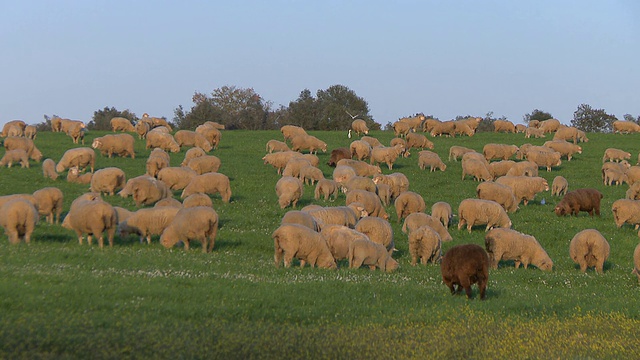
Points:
[[321, 236]]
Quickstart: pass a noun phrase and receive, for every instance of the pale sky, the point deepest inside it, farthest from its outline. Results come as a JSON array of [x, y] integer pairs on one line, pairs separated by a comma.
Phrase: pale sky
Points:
[[443, 58]]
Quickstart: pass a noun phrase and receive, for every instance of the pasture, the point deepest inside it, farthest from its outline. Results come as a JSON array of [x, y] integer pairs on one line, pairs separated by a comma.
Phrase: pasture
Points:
[[59, 299]]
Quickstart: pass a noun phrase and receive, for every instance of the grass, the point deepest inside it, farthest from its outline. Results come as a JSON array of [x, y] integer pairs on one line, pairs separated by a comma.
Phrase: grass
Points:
[[62, 300]]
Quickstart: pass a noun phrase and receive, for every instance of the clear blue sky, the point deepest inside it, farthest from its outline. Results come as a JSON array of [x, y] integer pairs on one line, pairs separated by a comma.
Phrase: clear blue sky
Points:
[[444, 58]]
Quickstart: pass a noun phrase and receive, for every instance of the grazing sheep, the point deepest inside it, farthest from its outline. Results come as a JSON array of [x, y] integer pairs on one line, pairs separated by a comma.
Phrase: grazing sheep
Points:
[[15, 156], [633, 192], [339, 238], [205, 164], [67, 125], [337, 215], [49, 169], [196, 223], [210, 133], [289, 190], [310, 174], [401, 128], [625, 127], [498, 151], [430, 159], [500, 168], [359, 183], [76, 132], [442, 211], [337, 155], [121, 124], [16, 142], [161, 140], [157, 160], [198, 199], [122, 214], [476, 168], [81, 157], [400, 141], [564, 148], [504, 126], [535, 132], [408, 202], [28, 197], [463, 266], [289, 131], [636, 262], [301, 218], [119, 144], [523, 168], [456, 152], [373, 142], [176, 178], [190, 138], [49, 202], [418, 141], [13, 124], [612, 175], [502, 194], [621, 168], [559, 186], [526, 148], [147, 222], [192, 154], [91, 217], [521, 128], [308, 246], [461, 129], [169, 202], [73, 176], [417, 220], [145, 190], [579, 200], [626, 211], [633, 175], [480, 212], [371, 202], [18, 217], [360, 167], [387, 155], [544, 159], [429, 124], [108, 180], [360, 149], [308, 142], [549, 126], [276, 146], [444, 128], [377, 230], [589, 248], [617, 155], [384, 193], [142, 128], [567, 133], [342, 174], [397, 182], [326, 188], [359, 126], [367, 253], [425, 244], [279, 160], [209, 183], [294, 165], [414, 122], [507, 244], [524, 188]]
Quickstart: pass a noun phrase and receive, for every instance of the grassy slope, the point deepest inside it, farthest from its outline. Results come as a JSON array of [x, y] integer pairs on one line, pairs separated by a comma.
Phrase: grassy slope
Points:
[[59, 299]]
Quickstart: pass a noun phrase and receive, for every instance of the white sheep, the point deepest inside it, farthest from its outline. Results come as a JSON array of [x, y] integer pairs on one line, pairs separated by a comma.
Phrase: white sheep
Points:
[[189, 138], [119, 144], [289, 191], [162, 140], [197, 199], [425, 244], [108, 180], [73, 176], [176, 178], [196, 223], [91, 217], [81, 157], [49, 169], [49, 202], [205, 164], [18, 217], [147, 222], [15, 156], [482, 212], [209, 183], [157, 160], [508, 244], [192, 154]]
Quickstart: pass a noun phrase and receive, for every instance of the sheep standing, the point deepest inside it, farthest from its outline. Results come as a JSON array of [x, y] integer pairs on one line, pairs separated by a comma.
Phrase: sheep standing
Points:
[[407, 203], [189, 138], [371, 202], [326, 188], [507, 244], [387, 155], [197, 199], [579, 200], [476, 168], [49, 202], [416, 220], [339, 238], [108, 180], [559, 186], [442, 211], [142, 128], [498, 151], [524, 188], [15, 156], [17, 142], [310, 174], [432, 160], [359, 126], [91, 217], [308, 142], [502, 194], [545, 159], [192, 154], [368, 253], [360, 167], [119, 144], [145, 190], [617, 155], [176, 178], [564, 148], [289, 131], [121, 124], [293, 240], [209, 183], [589, 248], [49, 169], [456, 152], [211, 133], [147, 222], [480, 212], [277, 146], [500, 168], [205, 164], [18, 217], [360, 149], [397, 182], [161, 140], [463, 266], [196, 223], [301, 218], [338, 215], [157, 160], [377, 230], [289, 191], [81, 157], [626, 211], [418, 141], [425, 244]]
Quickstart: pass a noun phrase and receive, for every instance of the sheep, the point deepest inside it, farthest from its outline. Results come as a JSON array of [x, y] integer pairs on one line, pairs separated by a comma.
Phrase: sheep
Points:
[[535, 132], [18, 218], [521, 128], [526, 148], [119, 144], [157, 160], [197, 199], [360, 167], [397, 182], [401, 128], [360, 149], [359, 183], [196, 223], [368, 253], [142, 128], [162, 140], [523, 168], [209, 183], [326, 188], [414, 122], [504, 126], [159, 123], [633, 175], [476, 168], [408, 202], [559, 186], [388, 155], [425, 244], [176, 178], [621, 167], [564, 148], [500, 168], [373, 142], [300, 217], [147, 222], [121, 124], [289, 190], [49, 202], [500, 193], [480, 212], [279, 160], [308, 246], [371, 202], [15, 156], [169, 202], [205, 164], [15, 142], [214, 125], [294, 165], [636, 262], [338, 215], [626, 211], [122, 214], [416, 220], [76, 132], [81, 157], [337, 155], [277, 146], [444, 128], [108, 180], [73, 176], [589, 248], [67, 125], [359, 126], [524, 188], [308, 142], [342, 174], [430, 159], [465, 265], [498, 151], [210, 133], [384, 193], [508, 244], [456, 152], [377, 230], [549, 125], [418, 141], [91, 217], [579, 200], [28, 197], [145, 190], [612, 175], [442, 211], [461, 129], [617, 155], [13, 124], [189, 138], [626, 127], [310, 174], [289, 131], [339, 237], [633, 192], [30, 132], [543, 159], [192, 154], [565, 133]]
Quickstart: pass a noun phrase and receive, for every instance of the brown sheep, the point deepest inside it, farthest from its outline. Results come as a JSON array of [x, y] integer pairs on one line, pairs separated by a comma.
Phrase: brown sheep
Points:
[[418, 141], [209, 183], [360, 167], [564, 148], [524, 188], [18, 217], [476, 168], [308, 246], [359, 126], [617, 155], [15, 142], [308, 142], [337, 155], [430, 159], [371, 202], [377, 230], [196, 223], [301, 218], [81, 157], [176, 178], [108, 180], [579, 200], [499, 151], [589, 248], [482, 212], [442, 211], [408, 202], [15, 156], [507, 244], [289, 190], [157, 160], [121, 124], [463, 266], [205, 164], [49, 169], [368, 253], [326, 188], [456, 152], [502, 194], [397, 182], [559, 186], [119, 144], [425, 244], [626, 211], [417, 220], [387, 155], [360, 149]]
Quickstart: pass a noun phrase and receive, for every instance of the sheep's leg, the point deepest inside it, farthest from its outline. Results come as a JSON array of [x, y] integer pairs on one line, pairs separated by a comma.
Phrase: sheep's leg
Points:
[[80, 239], [13, 236], [89, 239]]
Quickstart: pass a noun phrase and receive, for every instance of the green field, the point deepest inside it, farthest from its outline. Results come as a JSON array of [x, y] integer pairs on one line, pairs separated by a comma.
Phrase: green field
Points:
[[59, 299]]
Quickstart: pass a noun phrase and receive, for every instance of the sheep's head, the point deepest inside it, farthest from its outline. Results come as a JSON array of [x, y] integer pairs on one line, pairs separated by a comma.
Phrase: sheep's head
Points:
[[96, 144]]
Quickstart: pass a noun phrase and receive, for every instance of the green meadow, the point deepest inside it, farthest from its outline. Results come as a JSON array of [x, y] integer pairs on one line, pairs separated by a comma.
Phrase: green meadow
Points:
[[63, 300]]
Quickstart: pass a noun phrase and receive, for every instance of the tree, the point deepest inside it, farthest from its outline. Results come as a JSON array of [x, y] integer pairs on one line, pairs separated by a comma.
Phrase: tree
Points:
[[102, 118], [536, 115], [589, 119], [336, 104], [629, 117], [304, 111]]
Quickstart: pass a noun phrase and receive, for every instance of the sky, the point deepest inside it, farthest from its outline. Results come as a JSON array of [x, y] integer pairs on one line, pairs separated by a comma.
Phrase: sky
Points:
[[441, 58]]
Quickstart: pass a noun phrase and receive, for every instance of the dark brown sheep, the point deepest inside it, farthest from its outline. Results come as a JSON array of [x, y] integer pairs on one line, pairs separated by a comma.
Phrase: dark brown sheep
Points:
[[465, 265], [579, 200], [337, 155]]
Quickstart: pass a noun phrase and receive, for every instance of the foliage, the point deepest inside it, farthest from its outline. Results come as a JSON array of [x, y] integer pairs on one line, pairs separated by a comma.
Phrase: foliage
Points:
[[537, 115], [589, 119], [102, 118], [629, 117], [46, 124]]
